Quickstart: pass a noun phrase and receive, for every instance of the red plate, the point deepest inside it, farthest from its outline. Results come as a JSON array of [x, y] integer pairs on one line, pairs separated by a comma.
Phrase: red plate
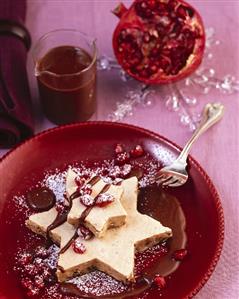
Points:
[[24, 166]]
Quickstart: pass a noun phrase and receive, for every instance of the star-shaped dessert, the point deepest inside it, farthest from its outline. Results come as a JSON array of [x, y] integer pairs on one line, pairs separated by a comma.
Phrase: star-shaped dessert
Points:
[[114, 253]]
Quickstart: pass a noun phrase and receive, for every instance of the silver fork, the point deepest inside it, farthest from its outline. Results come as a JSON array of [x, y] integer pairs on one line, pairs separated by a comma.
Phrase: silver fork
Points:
[[176, 175]]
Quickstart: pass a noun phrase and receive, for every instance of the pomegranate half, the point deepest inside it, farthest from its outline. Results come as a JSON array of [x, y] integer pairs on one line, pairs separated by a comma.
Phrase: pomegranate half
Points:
[[158, 41]]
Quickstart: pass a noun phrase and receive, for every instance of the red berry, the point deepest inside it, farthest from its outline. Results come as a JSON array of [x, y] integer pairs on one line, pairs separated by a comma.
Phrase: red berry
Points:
[[39, 282], [78, 246], [32, 270], [104, 199], [41, 252], [119, 148], [159, 281], [137, 151], [86, 189], [180, 254], [79, 182], [87, 200], [26, 283], [25, 259], [85, 176], [122, 158], [84, 233], [46, 274], [105, 172], [33, 292]]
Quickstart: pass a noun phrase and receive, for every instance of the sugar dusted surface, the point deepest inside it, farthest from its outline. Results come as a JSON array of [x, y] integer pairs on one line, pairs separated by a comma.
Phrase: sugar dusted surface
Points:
[[99, 284]]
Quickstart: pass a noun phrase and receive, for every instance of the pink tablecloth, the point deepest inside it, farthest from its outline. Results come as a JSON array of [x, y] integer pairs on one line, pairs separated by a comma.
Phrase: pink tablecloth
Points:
[[217, 151]]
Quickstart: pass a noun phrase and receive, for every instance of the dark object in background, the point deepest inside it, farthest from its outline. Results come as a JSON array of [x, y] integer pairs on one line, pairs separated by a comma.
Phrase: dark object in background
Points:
[[16, 121]]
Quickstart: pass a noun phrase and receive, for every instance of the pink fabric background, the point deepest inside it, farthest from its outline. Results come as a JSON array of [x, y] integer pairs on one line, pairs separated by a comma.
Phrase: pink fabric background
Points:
[[217, 151]]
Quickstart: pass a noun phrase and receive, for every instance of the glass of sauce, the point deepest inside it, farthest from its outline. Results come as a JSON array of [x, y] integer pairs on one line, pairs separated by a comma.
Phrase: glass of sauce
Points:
[[65, 68]]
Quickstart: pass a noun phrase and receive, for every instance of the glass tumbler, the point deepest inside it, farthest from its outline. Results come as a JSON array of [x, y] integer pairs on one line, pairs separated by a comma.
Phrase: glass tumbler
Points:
[[65, 68]]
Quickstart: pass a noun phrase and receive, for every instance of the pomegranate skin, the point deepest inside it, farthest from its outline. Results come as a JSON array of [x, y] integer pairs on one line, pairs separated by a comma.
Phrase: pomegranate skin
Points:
[[171, 55]]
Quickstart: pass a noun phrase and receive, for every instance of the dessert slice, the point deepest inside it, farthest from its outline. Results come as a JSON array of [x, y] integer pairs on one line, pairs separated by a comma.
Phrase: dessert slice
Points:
[[104, 199], [114, 253]]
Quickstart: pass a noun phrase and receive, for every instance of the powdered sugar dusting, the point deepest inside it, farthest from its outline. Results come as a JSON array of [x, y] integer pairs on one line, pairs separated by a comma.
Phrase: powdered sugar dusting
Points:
[[57, 183], [145, 259], [21, 204], [99, 284], [95, 283]]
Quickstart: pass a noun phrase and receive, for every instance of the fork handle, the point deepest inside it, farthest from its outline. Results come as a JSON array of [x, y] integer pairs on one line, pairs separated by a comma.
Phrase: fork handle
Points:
[[212, 113]]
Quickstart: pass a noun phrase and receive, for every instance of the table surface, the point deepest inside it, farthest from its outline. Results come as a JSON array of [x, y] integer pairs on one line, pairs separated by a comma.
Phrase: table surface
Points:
[[217, 151]]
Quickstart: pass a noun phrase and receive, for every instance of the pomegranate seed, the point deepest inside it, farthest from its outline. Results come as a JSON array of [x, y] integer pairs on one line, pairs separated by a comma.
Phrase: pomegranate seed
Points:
[[122, 158], [105, 172], [32, 270], [39, 282], [180, 254], [26, 283], [41, 252], [32, 292], [159, 281], [137, 151], [38, 261], [143, 9], [78, 246], [79, 182], [87, 200], [85, 176], [84, 233], [86, 189], [104, 199], [25, 259], [46, 274], [119, 148]]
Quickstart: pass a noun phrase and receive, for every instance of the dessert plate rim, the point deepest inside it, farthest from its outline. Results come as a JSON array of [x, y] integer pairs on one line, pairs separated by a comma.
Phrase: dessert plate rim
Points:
[[193, 162]]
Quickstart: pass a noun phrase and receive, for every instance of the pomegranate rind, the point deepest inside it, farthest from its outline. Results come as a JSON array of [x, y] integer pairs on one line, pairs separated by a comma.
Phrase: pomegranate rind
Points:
[[130, 20]]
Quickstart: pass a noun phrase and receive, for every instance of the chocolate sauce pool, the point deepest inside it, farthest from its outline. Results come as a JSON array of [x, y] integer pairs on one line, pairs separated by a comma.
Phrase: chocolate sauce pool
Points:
[[166, 208], [41, 199]]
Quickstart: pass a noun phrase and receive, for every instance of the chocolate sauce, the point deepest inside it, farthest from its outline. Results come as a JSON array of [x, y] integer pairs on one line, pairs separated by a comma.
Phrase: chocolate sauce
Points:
[[161, 206], [66, 77], [41, 199], [61, 216], [93, 181], [71, 289], [137, 172]]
